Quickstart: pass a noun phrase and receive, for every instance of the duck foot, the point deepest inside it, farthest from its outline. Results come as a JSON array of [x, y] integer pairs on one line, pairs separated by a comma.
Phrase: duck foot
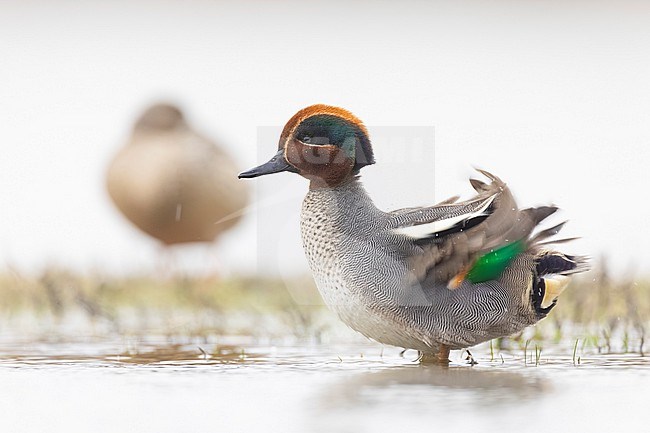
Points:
[[440, 358], [470, 358]]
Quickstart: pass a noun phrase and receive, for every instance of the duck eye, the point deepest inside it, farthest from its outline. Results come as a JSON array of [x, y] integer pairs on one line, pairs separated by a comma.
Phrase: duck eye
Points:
[[306, 139]]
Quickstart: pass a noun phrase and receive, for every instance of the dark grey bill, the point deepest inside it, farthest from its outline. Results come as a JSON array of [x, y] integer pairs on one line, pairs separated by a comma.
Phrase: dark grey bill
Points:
[[275, 165]]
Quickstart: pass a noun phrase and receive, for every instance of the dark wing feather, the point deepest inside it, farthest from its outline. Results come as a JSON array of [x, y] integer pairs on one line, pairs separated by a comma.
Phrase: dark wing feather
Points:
[[450, 237]]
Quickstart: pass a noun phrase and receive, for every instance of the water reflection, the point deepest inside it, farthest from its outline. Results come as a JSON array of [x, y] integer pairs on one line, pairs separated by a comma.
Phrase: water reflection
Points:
[[423, 396], [304, 388], [428, 384], [143, 355]]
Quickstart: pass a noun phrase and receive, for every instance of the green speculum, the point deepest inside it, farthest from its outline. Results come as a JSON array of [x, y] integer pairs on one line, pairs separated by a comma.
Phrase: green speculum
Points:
[[491, 265]]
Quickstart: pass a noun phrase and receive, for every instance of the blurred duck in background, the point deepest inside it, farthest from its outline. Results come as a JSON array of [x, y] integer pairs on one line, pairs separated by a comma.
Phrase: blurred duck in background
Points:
[[174, 184]]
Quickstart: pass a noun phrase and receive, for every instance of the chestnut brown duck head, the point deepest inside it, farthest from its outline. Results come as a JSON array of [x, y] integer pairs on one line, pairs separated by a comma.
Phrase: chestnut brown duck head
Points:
[[325, 144]]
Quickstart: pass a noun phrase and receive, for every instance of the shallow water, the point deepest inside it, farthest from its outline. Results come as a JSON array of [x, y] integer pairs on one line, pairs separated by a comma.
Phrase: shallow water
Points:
[[161, 386]]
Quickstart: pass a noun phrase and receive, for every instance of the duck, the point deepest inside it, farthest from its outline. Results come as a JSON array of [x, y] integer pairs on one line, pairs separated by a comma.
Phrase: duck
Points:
[[434, 279], [173, 183]]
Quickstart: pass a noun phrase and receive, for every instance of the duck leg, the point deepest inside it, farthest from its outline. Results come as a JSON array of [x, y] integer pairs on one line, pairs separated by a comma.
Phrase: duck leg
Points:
[[439, 358]]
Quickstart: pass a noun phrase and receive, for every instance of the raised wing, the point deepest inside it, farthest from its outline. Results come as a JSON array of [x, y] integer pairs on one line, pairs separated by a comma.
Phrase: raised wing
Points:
[[450, 237]]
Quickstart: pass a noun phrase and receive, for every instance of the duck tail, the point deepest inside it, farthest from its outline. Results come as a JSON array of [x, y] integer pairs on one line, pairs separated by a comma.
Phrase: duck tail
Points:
[[551, 277], [551, 262], [555, 263]]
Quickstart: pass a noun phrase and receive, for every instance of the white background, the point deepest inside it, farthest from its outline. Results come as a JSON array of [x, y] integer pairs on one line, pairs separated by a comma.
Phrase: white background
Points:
[[553, 97]]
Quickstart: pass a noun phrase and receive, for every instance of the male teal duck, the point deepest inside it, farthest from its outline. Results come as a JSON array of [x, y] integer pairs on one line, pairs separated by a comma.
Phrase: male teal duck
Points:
[[173, 183], [435, 278]]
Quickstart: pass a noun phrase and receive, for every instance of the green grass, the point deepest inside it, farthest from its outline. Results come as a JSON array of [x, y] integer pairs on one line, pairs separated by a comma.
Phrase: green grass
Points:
[[183, 305], [57, 291]]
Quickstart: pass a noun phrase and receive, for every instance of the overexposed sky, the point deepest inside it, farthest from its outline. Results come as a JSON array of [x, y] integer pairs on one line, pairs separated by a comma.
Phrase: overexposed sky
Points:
[[553, 97]]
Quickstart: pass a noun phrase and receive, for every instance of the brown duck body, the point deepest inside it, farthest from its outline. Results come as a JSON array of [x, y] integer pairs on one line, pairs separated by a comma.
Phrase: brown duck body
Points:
[[174, 184]]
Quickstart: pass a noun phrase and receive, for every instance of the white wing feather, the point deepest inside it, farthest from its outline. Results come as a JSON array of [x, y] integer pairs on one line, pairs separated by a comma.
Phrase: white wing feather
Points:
[[427, 230]]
